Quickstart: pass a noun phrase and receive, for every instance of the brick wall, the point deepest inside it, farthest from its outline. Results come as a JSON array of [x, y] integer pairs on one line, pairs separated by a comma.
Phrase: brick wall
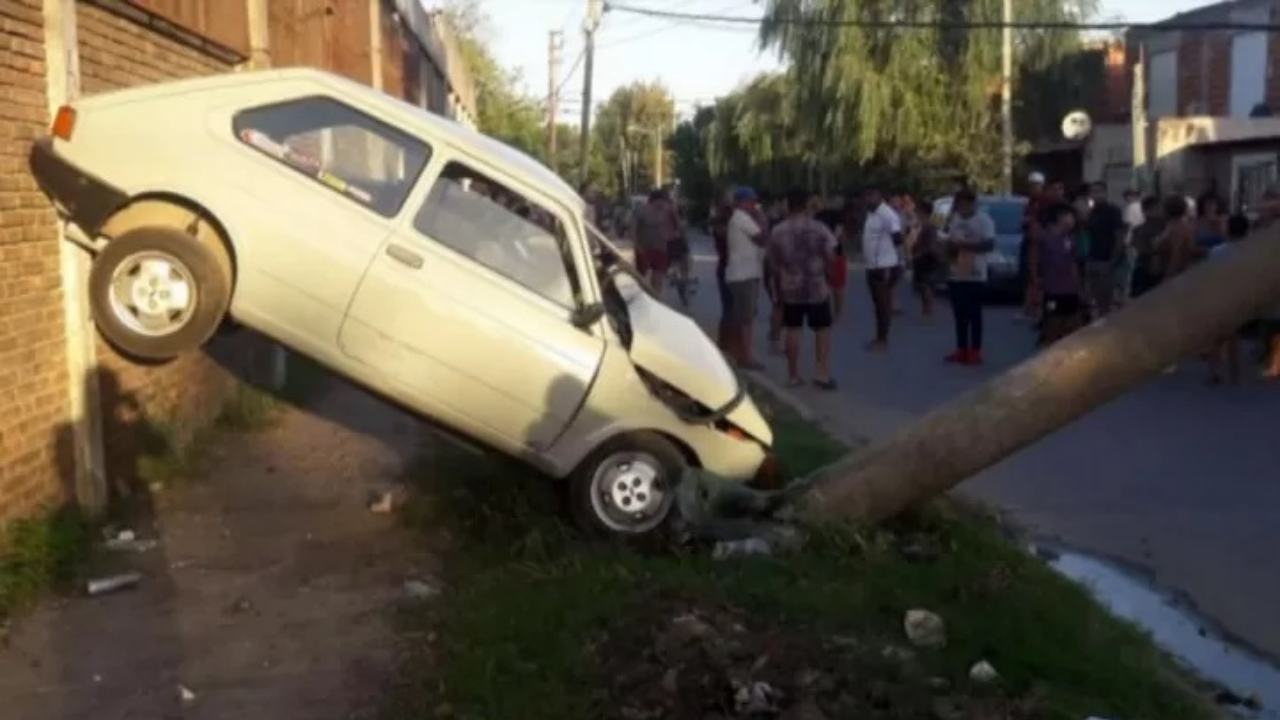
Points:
[[35, 440], [33, 370], [1190, 62], [1273, 65], [1218, 64], [187, 393]]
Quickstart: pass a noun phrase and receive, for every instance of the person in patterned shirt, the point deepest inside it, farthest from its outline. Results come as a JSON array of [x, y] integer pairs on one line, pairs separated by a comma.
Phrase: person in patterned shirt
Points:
[[801, 251]]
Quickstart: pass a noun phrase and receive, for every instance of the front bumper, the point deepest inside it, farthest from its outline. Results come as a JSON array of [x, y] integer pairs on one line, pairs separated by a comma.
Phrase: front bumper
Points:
[[80, 197]]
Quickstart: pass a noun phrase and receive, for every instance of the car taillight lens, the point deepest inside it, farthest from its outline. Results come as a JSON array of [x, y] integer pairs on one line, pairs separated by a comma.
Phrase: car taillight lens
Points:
[[64, 123]]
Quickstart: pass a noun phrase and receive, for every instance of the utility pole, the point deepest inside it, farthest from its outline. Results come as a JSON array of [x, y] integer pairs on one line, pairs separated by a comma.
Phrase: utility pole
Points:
[[595, 8], [555, 42], [657, 156], [1006, 95], [1141, 170]]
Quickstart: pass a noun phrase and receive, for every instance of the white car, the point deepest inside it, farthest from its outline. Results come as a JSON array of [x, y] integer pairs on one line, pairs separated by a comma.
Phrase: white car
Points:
[[433, 265]]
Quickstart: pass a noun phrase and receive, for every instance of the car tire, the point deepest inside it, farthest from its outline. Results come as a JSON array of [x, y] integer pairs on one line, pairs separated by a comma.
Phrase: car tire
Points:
[[157, 292], [625, 490]]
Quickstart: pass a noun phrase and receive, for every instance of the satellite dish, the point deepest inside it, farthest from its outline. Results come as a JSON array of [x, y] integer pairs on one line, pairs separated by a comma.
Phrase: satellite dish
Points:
[[1077, 125]]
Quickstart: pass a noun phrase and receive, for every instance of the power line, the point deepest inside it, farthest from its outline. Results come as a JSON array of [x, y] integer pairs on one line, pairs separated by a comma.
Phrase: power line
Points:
[[572, 69], [1166, 26], [667, 26]]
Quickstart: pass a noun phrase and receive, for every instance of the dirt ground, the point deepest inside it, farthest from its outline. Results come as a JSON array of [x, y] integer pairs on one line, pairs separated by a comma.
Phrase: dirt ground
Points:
[[271, 594]]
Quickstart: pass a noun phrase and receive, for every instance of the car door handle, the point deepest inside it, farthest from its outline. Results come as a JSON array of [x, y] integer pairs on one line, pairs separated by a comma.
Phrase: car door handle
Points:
[[404, 256]]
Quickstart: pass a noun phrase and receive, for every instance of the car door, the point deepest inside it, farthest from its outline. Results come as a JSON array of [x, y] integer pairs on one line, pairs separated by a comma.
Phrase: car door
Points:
[[467, 312], [321, 193]]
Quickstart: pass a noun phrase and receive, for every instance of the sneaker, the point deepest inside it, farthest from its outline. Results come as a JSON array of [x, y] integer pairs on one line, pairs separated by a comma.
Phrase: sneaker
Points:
[[974, 358], [959, 357]]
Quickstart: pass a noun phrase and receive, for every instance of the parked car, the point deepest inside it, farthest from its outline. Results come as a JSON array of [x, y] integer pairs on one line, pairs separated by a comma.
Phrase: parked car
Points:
[[441, 269], [1006, 212]]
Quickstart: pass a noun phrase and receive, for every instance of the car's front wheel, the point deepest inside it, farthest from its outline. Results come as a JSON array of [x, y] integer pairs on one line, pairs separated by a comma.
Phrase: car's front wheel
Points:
[[157, 292], [626, 489]]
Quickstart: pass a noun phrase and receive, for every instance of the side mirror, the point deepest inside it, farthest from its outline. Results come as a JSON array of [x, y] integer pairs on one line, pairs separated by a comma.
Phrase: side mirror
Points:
[[585, 316]]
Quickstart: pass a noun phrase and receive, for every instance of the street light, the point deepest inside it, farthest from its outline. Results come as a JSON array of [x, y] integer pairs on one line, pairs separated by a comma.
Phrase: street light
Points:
[[656, 132]]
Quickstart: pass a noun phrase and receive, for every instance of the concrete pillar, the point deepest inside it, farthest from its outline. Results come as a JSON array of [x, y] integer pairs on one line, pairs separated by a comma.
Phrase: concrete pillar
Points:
[[259, 34], [84, 400], [260, 59], [375, 45]]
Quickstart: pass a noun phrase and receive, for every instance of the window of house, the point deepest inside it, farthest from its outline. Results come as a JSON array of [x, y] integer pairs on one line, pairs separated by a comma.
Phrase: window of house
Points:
[[338, 146], [500, 229]]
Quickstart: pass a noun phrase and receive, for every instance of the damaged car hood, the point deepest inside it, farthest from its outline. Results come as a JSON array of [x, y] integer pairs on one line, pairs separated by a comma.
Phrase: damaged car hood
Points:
[[674, 348]]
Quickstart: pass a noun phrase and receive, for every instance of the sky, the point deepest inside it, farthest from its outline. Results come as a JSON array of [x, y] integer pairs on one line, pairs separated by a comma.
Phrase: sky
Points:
[[697, 62]]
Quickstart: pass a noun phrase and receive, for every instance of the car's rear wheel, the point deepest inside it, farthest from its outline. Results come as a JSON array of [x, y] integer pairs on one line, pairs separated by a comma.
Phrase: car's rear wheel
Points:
[[157, 292], [626, 489]]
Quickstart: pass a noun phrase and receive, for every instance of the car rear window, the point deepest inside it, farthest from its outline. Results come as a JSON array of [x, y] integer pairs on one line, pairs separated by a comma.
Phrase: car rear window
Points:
[[339, 147]]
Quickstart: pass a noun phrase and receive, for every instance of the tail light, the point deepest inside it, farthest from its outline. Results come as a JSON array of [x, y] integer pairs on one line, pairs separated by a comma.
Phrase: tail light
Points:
[[64, 123]]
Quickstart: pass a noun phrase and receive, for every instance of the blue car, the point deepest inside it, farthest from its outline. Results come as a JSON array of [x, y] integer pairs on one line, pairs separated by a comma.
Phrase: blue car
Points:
[[1006, 211]]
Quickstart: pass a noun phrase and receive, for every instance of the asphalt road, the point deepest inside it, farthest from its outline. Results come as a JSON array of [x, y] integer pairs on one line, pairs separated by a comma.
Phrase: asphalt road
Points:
[[1178, 479]]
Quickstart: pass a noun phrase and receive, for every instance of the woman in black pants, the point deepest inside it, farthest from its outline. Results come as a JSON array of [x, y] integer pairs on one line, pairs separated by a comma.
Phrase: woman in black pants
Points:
[[971, 234]]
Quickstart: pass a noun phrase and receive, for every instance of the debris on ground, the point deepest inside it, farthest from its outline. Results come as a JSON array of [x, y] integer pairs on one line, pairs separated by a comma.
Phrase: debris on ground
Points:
[[128, 541], [113, 583], [186, 695], [420, 590], [924, 628], [386, 501], [737, 548], [679, 659], [983, 672]]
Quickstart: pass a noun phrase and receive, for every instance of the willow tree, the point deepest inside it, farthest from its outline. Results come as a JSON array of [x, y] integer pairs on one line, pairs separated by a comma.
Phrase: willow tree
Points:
[[923, 95]]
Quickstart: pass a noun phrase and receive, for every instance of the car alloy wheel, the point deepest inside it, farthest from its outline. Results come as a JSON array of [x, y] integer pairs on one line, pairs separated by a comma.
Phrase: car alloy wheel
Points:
[[630, 493], [625, 490], [153, 293], [157, 292]]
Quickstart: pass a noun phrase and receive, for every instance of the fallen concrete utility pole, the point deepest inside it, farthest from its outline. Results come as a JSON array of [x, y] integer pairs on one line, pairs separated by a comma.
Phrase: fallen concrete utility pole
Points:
[[1086, 370]]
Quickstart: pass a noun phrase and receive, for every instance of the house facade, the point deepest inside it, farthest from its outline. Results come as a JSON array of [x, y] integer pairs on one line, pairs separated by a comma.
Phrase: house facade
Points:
[[1203, 113]]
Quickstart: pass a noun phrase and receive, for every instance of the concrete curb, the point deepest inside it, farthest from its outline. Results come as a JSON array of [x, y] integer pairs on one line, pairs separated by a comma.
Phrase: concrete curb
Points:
[[781, 394]]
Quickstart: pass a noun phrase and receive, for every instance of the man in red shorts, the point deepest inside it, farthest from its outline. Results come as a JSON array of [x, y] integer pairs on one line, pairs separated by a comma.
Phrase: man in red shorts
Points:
[[650, 232]]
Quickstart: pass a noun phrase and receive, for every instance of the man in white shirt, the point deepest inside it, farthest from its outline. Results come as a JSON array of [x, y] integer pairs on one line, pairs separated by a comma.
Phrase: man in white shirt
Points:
[[744, 240], [881, 238]]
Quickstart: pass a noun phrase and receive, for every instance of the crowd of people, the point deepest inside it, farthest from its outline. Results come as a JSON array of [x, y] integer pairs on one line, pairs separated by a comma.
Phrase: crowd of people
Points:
[[1085, 256], [1081, 257]]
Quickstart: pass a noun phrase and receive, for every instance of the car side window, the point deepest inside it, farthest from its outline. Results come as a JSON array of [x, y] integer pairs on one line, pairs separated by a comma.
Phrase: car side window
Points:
[[500, 229], [339, 147]]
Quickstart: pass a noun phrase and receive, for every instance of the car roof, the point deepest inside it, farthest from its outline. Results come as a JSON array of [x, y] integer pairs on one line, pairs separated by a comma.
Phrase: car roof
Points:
[[430, 124]]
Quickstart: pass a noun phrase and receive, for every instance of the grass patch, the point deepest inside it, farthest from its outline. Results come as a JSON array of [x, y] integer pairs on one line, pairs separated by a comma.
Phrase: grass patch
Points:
[[538, 625], [39, 554]]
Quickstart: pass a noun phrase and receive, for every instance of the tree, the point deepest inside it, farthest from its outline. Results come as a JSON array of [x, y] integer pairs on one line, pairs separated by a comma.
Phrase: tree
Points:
[[631, 128], [502, 112], [925, 97]]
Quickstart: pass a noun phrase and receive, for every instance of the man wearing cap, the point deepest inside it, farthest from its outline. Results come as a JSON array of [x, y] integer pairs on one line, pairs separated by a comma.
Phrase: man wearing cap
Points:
[[744, 267], [1037, 202]]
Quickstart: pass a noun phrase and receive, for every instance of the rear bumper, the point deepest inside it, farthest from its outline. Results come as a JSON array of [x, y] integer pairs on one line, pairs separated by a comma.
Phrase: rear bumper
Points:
[[78, 196]]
